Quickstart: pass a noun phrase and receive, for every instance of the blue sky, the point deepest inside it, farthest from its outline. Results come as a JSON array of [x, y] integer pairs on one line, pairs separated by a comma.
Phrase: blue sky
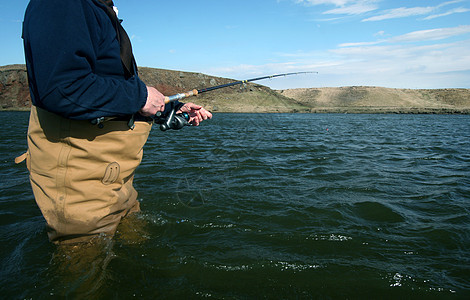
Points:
[[389, 43]]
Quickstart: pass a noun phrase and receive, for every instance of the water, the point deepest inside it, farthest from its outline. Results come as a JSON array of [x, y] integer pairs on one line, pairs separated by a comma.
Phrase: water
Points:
[[252, 206]]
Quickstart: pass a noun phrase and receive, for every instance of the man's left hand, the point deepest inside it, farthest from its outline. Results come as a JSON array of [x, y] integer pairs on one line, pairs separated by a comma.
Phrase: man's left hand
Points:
[[197, 113]]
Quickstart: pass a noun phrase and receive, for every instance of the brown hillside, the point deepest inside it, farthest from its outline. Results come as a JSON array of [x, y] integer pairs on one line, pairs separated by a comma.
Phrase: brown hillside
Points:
[[14, 92], [239, 98], [382, 100]]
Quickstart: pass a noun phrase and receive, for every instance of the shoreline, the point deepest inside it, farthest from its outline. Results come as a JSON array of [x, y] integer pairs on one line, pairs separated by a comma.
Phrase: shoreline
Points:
[[332, 110]]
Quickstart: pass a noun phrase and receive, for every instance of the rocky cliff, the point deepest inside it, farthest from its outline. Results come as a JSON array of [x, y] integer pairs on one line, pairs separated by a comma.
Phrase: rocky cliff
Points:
[[14, 91]]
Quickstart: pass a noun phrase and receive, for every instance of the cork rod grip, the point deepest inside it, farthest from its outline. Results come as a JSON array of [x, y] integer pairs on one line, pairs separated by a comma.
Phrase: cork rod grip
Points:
[[180, 96]]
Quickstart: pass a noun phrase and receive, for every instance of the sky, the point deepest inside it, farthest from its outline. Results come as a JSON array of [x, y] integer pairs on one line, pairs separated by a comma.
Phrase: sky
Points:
[[389, 43]]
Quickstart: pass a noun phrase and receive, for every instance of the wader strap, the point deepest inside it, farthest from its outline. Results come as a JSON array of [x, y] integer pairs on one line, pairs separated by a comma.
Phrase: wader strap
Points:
[[21, 158], [127, 57]]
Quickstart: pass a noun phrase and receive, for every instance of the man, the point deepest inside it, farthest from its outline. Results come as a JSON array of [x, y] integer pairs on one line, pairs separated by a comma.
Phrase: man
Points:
[[81, 68]]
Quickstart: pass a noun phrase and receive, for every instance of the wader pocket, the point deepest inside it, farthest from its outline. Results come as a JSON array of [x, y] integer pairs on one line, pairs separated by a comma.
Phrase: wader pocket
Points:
[[111, 174]]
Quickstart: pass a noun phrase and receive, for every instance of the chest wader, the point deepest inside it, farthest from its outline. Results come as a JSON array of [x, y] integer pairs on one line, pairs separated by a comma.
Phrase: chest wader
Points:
[[82, 174]]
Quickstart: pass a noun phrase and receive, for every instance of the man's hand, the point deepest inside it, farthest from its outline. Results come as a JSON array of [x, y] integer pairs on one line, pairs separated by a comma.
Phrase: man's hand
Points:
[[155, 103], [197, 113]]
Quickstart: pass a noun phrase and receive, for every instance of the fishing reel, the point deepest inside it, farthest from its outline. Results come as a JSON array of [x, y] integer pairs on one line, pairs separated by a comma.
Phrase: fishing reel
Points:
[[172, 120]]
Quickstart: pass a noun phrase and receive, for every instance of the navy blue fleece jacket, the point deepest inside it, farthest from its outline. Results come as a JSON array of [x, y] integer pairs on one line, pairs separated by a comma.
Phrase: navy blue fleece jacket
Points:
[[73, 61]]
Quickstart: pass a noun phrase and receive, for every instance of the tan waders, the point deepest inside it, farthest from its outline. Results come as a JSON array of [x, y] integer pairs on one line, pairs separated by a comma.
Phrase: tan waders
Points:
[[82, 175]]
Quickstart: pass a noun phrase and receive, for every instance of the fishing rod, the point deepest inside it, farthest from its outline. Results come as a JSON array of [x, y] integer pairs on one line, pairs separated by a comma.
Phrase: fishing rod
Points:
[[195, 92], [178, 121]]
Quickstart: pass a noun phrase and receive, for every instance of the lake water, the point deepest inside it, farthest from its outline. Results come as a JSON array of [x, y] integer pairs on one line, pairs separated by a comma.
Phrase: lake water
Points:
[[250, 206]]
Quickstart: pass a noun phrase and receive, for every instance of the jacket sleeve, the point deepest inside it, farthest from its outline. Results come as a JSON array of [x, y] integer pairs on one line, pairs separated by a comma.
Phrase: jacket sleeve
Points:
[[72, 48]]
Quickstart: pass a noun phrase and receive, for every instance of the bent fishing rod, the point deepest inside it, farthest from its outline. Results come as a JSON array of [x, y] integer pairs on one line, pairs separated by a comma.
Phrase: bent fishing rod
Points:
[[178, 121]]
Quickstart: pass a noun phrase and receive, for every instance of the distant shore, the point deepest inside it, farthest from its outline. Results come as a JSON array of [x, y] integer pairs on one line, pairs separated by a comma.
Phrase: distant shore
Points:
[[256, 98], [391, 110]]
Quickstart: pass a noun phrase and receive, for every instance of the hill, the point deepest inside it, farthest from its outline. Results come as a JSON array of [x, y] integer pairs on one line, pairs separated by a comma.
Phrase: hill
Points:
[[362, 99], [14, 91], [252, 97], [239, 98]]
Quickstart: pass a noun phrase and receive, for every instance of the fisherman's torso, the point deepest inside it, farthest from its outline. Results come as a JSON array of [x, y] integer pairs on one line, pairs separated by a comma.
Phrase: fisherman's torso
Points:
[[63, 38]]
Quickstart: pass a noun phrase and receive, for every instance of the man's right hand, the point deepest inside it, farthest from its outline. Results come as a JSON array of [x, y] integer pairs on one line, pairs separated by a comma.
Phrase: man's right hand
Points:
[[155, 103]]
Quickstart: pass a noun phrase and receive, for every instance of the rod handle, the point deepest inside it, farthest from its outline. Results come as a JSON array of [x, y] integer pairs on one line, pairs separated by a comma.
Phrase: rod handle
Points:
[[180, 96]]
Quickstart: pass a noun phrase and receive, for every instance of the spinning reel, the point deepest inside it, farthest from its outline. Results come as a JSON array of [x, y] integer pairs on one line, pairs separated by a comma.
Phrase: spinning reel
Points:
[[172, 120]]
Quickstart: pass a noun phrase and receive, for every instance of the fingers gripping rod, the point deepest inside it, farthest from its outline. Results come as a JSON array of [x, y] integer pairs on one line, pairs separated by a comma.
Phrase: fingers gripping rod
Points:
[[195, 92]]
